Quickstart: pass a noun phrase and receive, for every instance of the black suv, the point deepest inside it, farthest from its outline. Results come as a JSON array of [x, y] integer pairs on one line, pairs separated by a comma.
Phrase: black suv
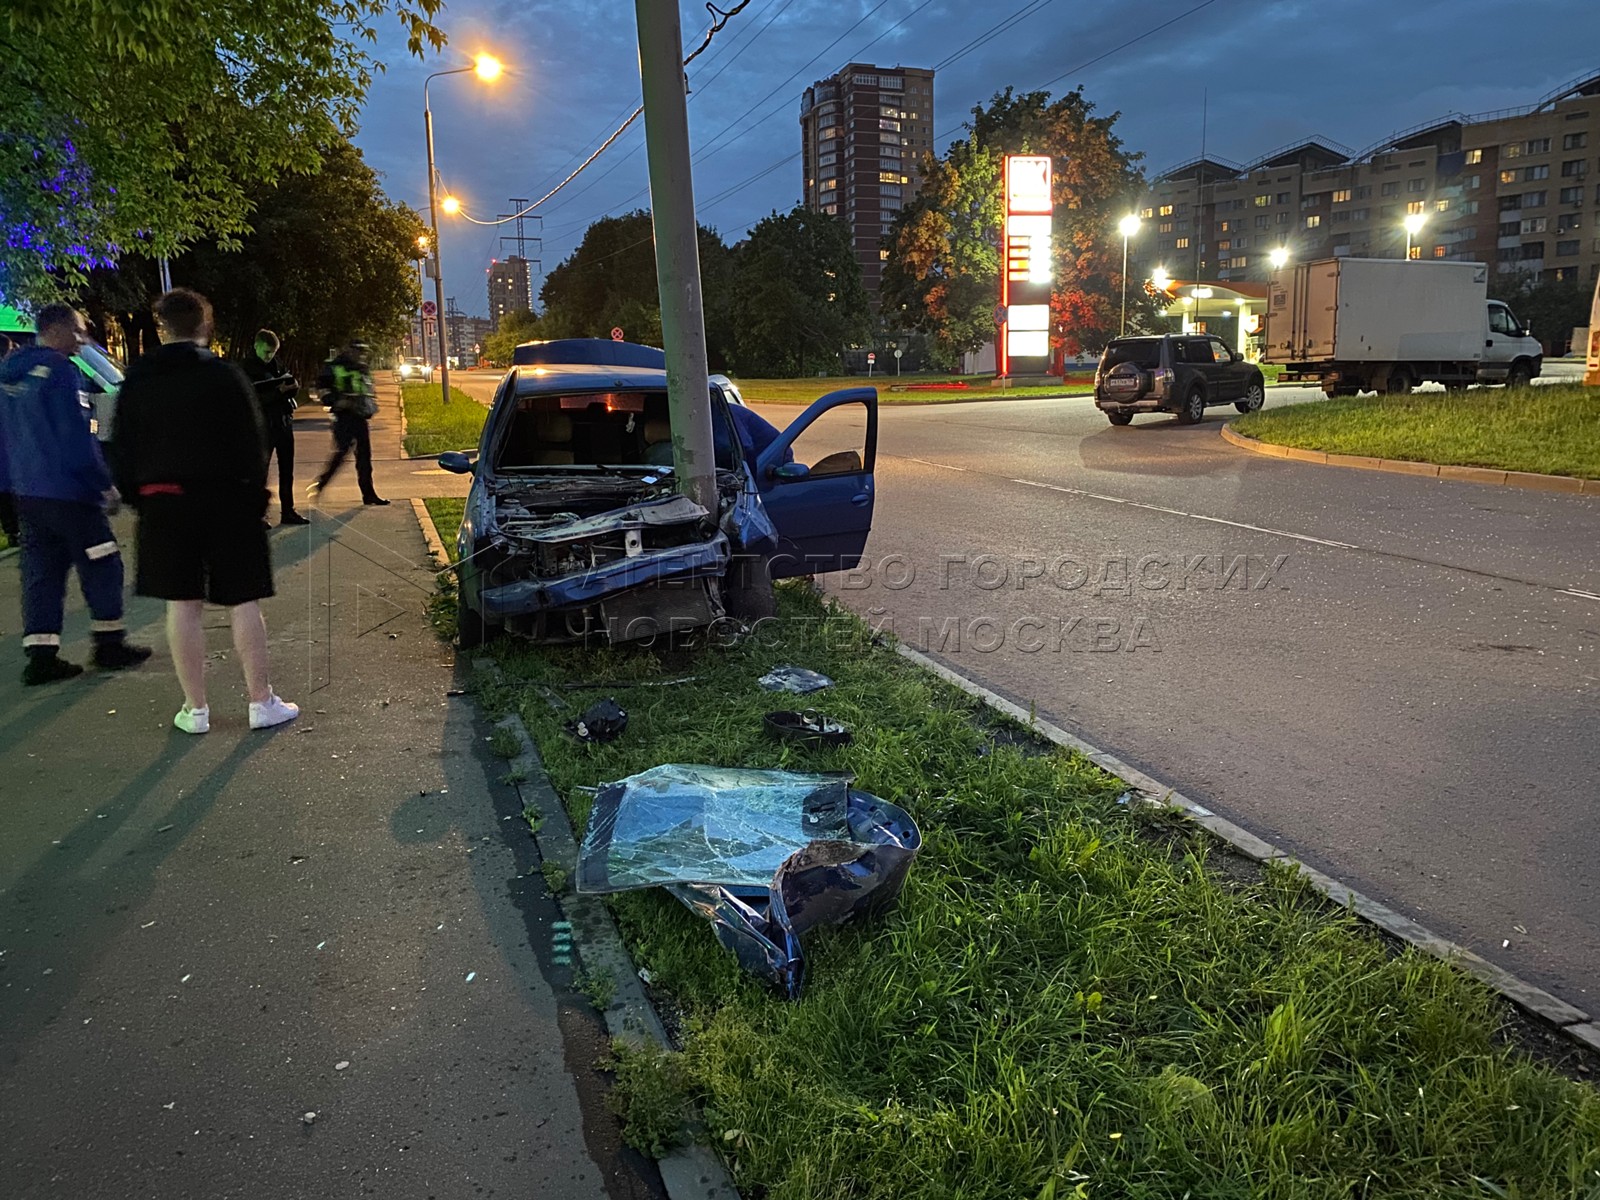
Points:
[[1174, 373]]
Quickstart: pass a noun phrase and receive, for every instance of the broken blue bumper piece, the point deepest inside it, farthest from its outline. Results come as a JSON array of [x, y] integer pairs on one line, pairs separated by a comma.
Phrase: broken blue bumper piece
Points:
[[763, 855]]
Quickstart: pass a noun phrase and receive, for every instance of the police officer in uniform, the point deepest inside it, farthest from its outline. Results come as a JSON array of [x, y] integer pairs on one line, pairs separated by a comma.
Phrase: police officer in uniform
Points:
[[346, 387]]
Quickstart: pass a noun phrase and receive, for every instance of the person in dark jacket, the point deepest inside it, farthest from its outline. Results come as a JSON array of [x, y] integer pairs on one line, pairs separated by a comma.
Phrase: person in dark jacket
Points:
[[191, 456], [51, 462], [275, 391], [346, 387], [8, 502]]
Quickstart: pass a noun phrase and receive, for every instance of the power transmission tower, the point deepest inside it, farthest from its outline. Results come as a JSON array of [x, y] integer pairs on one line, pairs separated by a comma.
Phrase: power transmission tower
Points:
[[522, 239]]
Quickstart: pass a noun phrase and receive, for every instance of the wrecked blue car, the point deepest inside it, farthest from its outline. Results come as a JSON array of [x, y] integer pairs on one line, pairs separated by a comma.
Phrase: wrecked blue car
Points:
[[574, 528]]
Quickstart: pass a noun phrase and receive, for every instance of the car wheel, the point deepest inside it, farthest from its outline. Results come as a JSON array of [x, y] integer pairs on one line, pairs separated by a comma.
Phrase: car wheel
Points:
[[1399, 383], [1254, 397], [1119, 418], [472, 630], [1194, 407], [747, 589], [1520, 375]]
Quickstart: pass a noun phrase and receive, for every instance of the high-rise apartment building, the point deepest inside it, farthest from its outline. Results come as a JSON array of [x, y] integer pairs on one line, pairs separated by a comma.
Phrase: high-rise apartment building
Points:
[[510, 288], [1517, 188], [863, 133]]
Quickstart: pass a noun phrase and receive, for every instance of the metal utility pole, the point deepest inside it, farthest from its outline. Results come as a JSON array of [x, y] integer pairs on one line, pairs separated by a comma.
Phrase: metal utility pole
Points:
[[438, 269], [683, 328]]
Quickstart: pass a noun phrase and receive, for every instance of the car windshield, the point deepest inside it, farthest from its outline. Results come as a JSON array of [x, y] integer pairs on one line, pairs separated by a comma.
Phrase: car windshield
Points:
[[98, 363], [1141, 352], [626, 429], [413, 362]]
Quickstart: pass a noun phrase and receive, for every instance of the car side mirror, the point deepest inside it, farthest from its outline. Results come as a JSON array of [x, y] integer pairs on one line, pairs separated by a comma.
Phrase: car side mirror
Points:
[[1525, 331], [791, 471], [456, 462]]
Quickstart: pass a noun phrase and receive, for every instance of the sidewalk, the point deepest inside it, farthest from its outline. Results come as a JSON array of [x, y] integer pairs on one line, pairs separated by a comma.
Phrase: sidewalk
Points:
[[202, 940]]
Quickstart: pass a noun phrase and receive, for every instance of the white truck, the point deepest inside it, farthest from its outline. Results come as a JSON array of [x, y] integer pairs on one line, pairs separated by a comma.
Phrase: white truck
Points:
[[1387, 324]]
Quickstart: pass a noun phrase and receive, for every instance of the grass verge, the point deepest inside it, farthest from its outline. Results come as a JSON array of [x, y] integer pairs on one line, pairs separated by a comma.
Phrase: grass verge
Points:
[[432, 426], [1070, 998], [1079, 382], [1552, 430]]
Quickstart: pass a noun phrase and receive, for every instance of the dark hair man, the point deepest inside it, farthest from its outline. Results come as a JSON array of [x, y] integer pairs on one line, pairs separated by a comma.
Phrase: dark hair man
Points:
[[191, 454], [275, 391], [346, 387], [54, 467]]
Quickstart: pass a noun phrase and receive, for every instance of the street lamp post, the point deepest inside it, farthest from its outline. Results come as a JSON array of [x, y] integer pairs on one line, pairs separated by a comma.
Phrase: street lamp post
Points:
[[487, 68], [1129, 225], [1279, 257], [1414, 223]]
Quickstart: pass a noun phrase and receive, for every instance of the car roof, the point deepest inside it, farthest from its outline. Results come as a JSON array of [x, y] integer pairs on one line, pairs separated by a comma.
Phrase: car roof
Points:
[[585, 377]]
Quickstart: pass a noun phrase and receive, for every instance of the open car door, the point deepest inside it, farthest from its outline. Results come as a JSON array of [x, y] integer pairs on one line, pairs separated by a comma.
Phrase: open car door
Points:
[[822, 509]]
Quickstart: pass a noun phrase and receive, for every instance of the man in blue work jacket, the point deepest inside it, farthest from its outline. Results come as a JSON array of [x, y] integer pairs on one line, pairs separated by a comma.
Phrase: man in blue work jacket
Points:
[[51, 461]]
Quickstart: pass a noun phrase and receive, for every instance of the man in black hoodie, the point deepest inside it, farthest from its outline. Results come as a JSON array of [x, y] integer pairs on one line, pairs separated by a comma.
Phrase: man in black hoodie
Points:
[[190, 454], [275, 391]]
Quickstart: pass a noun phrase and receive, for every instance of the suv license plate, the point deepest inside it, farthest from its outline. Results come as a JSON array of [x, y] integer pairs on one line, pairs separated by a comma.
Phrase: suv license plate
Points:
[[1121, 383]]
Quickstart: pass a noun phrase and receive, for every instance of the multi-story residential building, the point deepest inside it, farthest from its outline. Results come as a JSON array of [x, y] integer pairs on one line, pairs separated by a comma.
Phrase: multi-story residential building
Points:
[[863, 133], [1517, 188], [510, 288]]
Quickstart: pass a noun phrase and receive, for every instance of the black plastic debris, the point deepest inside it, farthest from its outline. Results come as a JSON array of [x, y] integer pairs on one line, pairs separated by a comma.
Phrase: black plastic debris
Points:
[[765, 856], [809, 728], [794, 679], [602, 721]]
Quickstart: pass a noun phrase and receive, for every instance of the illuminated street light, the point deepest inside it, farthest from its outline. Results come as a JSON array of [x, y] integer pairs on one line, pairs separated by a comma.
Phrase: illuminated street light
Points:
[[487, 68], [1129, 225], [1280, 256], [450, 205], [1160, 278], [1414, 223]]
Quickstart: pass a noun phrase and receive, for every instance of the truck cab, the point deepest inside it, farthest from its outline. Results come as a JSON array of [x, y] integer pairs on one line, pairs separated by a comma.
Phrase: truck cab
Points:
[[1511, 354]]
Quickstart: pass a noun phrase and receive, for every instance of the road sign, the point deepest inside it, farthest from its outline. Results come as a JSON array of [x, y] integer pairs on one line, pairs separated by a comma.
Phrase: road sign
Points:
[[899, 353], [429, 309], [871, 357], [616, 334], [999, 315]]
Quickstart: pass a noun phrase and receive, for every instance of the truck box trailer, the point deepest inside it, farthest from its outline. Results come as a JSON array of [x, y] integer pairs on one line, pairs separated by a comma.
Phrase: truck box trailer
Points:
[[1386, 325]]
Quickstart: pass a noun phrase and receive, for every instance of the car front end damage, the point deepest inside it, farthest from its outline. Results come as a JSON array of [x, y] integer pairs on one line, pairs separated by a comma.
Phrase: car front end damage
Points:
[[625, 558]]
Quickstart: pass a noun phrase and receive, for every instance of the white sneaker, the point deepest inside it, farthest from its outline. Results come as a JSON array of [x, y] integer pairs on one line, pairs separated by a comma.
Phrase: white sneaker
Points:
[[272, 711], [193, 720]]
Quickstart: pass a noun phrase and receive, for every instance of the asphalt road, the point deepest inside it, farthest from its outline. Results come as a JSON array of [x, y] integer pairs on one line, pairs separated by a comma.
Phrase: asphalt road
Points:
[[1399, 683]]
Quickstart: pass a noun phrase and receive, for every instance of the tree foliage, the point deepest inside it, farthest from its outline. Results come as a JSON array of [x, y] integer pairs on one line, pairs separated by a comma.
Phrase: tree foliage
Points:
[[943, 265], [515, 328], [796, 287], [142, 126], [328, 258]]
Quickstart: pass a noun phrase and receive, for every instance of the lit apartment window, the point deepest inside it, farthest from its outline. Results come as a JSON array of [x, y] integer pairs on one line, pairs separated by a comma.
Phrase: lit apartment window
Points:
[[1225, 244], [1474, 157], [1514, 150], [1313, 221], [1416, 252], [1441, 206], [1263, 201], [883, 256], [1416, 206], [1342, 196], [888, 176], [1508, 176], [1438, 251], [1147, 213], [1575, 141], [1530, 174], [1165, 227], [1241, 262], [1222, 226], [1166, 210], [1182, 243]]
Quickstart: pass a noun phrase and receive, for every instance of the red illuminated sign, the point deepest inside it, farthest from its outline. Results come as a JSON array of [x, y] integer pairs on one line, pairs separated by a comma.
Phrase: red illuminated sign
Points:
[[1025, 263]]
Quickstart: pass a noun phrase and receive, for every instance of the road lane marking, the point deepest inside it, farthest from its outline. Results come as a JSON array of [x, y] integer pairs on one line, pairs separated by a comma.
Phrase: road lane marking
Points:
[[1284, 533]]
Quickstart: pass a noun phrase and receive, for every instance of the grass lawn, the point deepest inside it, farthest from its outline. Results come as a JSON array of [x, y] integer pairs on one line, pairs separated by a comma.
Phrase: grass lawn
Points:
[[1070, 999], [979, 387], [432, 426], [446, 513], [1554, 430]]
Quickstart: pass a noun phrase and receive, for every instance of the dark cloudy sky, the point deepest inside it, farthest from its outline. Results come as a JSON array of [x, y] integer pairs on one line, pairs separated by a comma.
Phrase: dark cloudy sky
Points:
[[1273, 71]]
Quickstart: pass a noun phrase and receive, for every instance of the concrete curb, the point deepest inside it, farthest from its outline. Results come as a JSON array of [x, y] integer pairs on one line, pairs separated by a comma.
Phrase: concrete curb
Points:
[[1580, 1026], [693, 1171], [1528, 480]]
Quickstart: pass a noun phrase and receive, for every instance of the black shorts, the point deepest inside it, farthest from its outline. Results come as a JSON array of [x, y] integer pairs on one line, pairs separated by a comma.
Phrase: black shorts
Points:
[[203, 548]]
